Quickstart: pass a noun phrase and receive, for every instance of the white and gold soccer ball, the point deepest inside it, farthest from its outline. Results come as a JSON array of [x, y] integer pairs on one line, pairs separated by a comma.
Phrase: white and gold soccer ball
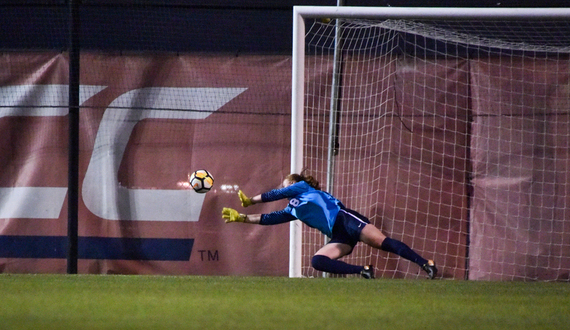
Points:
[[201, 181]]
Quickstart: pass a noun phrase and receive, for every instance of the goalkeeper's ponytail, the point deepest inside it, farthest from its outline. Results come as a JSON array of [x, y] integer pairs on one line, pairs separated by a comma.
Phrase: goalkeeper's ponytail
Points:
[[302, 177], [312, 182]]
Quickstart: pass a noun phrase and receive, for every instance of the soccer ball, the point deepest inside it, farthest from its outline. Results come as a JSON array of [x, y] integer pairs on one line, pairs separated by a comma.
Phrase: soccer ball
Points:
[[201, 181]]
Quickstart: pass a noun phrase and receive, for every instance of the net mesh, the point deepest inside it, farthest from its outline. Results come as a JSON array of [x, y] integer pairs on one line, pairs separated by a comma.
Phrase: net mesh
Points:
[[451, 136]]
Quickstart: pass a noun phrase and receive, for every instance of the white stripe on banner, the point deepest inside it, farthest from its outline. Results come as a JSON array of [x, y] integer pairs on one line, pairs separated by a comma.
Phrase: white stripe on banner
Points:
[[31, 202], [40, 100]]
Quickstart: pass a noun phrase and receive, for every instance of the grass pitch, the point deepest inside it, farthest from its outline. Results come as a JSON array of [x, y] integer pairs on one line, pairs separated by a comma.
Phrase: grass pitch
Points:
[[193, 302]]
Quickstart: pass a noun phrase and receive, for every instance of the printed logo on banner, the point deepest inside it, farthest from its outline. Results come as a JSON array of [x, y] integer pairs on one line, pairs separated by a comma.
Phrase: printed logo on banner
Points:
[[101, 192]]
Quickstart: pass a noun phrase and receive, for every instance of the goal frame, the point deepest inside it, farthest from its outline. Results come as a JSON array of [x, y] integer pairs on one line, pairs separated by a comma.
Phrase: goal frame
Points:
[[300, 13]]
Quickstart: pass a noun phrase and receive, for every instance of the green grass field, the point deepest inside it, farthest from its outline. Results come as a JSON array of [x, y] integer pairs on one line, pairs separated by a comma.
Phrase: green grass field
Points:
[[193, 302]]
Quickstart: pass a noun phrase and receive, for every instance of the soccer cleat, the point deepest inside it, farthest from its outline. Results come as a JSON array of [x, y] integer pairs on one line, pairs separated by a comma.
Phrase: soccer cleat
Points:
[[368, 272], [430, 269]]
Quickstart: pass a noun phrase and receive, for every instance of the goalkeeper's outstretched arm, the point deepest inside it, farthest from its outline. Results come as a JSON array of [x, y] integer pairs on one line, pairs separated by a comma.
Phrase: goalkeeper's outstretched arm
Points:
[[231, 215], [277, 217]]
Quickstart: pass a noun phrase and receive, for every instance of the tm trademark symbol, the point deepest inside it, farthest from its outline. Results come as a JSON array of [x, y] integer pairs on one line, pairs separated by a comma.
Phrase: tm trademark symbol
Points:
[[209, 255]]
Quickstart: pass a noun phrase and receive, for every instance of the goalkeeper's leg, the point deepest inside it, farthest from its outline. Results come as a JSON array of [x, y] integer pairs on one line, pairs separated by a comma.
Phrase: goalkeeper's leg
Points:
[[374, 237], [326, 261]]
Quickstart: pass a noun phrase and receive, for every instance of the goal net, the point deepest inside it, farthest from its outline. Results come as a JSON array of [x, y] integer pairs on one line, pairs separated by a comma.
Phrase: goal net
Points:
[[449, 128]]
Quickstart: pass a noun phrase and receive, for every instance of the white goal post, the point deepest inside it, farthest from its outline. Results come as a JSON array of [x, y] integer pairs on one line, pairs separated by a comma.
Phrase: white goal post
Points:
[[489, 178]]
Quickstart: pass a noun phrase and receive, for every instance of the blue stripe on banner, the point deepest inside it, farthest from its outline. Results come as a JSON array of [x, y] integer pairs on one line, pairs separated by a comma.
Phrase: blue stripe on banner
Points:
[[55, 247], [33, 247]]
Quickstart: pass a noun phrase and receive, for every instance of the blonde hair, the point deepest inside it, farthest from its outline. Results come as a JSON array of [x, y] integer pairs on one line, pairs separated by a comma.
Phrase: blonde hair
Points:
[[294, 177]]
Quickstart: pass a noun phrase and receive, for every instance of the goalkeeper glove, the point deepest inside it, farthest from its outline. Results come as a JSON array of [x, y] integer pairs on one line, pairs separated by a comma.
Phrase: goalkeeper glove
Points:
[[245, 201], [232, 215]]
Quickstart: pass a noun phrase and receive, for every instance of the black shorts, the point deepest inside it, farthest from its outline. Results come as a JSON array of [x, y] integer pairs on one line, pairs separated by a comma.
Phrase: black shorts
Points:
[[347, 227]]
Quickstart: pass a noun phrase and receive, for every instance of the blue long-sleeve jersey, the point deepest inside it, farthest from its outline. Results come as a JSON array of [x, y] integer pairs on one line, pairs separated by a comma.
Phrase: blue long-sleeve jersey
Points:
[[315, 208]]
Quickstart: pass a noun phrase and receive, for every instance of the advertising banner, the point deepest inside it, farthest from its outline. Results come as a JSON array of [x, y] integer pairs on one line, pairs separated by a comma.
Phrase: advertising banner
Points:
[[147, 122]]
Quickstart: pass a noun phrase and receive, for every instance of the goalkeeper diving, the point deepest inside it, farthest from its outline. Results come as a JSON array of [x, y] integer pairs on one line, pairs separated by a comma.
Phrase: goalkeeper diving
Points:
[[320, 210]]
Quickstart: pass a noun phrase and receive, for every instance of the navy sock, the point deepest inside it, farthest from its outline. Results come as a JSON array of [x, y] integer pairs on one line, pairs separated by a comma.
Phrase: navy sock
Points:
[[401, 249], [326, 264]]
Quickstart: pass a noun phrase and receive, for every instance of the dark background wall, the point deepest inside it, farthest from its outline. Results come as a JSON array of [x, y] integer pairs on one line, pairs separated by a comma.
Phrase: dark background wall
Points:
[[246, 26]]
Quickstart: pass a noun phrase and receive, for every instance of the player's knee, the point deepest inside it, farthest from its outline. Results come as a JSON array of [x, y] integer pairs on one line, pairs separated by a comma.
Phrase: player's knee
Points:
[[372, 236], [319, 262]]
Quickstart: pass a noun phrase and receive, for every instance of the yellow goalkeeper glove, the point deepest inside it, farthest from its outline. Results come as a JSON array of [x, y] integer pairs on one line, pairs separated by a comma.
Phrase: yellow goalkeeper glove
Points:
[[232, 215], [245, 201]]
